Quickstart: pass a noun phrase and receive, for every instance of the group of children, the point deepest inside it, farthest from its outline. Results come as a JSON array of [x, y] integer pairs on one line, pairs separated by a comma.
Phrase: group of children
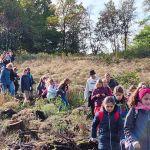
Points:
[[122, 121], [50, 89]]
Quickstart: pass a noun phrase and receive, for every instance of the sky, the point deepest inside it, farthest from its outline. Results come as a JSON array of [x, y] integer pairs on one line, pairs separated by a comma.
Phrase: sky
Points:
[[95, 6]]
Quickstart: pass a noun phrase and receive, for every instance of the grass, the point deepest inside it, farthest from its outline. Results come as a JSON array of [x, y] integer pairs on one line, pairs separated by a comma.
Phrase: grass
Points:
[[77, 69]]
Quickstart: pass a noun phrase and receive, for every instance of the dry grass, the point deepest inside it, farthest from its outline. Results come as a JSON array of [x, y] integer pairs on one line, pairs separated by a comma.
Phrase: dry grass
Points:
[[77, 69]]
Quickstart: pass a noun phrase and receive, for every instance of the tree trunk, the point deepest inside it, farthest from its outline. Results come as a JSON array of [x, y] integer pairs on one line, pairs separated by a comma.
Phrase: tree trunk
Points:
[[125, 40]]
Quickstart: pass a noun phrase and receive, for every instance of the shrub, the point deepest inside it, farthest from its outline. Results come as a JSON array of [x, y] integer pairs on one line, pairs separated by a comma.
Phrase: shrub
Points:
[[127, 78]]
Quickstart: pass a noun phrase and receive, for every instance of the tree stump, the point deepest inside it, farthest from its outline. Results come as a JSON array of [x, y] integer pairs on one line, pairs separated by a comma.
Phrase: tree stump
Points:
[[15, 126]]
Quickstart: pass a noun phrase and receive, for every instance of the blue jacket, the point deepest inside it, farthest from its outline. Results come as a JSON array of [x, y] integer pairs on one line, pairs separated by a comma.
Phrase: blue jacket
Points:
[[25, 83], [110, 130], [31, 78], [0, 77], [137, 127], [5, 77]]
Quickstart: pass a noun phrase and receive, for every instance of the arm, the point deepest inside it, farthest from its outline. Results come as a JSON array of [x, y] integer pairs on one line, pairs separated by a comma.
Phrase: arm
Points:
[[86, 92], [21, 84], [3, 77], [95, 124], [32, 81], [129, 125], [109, 91], [94, 95], [120, 128]]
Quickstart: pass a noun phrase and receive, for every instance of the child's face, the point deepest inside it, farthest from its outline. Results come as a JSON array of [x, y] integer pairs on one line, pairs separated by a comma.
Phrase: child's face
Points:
[[146, 99], [52, 82], [118, 96], [105, 84], [99, 85], [93, 76], [109, 107], [107, 76]]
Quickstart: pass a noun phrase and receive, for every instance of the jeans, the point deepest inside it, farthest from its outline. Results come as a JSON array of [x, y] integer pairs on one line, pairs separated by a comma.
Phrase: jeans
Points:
[[10, 88], [63, 98]]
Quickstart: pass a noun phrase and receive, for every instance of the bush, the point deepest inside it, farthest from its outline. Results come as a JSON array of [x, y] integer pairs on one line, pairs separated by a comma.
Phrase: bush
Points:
[[127, 78]]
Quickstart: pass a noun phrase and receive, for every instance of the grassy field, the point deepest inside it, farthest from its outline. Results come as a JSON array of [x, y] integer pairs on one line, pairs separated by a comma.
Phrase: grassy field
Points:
[[74, 124], [77, 68]]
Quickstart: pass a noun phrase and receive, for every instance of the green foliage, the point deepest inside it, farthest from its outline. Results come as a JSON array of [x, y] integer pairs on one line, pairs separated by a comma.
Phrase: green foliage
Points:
[[127, 78], [143, 38]]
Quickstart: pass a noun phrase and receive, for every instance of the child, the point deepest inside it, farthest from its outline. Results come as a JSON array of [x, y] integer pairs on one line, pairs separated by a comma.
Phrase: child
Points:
[[0, 79], [41, 88], [98, 96], [137, 122], [111, 81], [106, 86], [16, 78], [51, 90], [132, 88], [7, 83], [110, 126], [25, 86], [142, 85], [62, 91], [121, 101], [90, 85]]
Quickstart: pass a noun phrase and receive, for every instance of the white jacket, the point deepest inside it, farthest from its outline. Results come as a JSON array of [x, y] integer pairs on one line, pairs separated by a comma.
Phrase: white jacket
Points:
[[51, 91], [90, 85]]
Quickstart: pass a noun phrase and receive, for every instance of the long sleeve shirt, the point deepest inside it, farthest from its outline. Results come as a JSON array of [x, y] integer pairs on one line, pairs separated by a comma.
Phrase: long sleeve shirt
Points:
[[90, 85]]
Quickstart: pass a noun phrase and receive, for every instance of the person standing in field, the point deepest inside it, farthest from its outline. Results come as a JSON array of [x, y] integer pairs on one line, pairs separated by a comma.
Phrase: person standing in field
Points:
[[90, 85], [62, 92], [25, 84]]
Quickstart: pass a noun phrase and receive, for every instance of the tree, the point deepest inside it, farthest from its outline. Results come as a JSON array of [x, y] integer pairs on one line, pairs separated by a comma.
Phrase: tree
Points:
[[71, 18], [10, 22], [108, 25], [24, 24], [37, 36], [143, 38], [126, 16], [146, 4]]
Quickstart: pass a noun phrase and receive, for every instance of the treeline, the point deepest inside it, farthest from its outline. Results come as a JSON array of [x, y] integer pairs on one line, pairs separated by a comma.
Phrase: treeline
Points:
[[41, 26]]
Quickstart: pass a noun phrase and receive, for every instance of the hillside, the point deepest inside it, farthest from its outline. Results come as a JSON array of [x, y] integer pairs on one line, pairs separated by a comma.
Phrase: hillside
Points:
[[66, 129], [77, 68]]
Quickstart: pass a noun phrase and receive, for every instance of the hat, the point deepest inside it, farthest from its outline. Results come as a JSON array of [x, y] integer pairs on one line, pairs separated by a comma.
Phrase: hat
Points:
[[142, 92], [92, 72]]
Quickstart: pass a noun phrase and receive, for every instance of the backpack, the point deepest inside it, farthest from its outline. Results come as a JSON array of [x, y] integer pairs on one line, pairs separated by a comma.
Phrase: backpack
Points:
[[101, 115]]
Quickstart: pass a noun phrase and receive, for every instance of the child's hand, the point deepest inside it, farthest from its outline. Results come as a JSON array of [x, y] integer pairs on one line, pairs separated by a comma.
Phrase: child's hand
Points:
[[98, 95], [136, 145], [103, 94], [93, 140]]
